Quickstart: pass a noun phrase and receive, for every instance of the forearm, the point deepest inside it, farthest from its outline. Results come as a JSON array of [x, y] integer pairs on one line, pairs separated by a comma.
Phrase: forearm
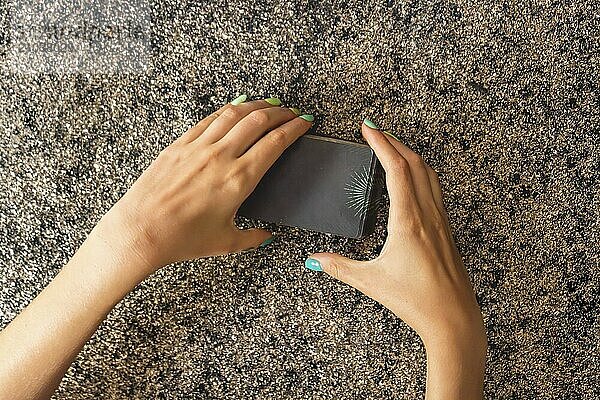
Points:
[[38, 346], [456, 366], [166, 216]]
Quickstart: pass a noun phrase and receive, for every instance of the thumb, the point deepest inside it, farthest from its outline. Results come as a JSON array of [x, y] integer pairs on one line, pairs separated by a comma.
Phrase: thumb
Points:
[[251, 239], [342, 268]]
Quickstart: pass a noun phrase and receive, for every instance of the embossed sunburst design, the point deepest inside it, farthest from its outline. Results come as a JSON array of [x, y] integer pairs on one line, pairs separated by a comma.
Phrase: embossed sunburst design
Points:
[[357, 191]]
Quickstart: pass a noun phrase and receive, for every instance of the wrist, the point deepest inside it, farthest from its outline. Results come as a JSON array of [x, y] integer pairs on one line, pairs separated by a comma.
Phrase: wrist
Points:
[[458, 345], [105, 268], [456, 363], [457, 332], [456, 327], [125, 243]]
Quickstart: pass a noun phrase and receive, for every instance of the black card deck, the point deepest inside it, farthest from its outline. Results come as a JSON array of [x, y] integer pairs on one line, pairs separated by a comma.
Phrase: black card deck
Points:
[[322, 184]]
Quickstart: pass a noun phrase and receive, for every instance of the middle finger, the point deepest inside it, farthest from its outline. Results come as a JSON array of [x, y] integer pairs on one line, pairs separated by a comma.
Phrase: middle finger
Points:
[[252, 127], [230, 117], [259, 158], [418, 170]]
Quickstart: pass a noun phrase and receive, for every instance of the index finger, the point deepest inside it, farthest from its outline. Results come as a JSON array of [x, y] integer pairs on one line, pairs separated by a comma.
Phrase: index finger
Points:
[[399, 180], [263, 154]]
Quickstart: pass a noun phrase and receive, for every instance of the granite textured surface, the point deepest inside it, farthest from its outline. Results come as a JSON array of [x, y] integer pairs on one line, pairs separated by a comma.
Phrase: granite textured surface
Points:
[[501, 98]]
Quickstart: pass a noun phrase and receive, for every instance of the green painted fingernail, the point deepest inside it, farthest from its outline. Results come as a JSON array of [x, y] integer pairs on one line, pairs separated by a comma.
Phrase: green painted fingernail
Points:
[[390, 134], [239, 100], [274, 101], [307, 117], [266, 242], [313, 265], [370, 124], [296, 111]]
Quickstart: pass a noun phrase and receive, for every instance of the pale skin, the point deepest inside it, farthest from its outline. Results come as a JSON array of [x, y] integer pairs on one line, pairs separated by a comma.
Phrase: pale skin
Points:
[[167, 217]]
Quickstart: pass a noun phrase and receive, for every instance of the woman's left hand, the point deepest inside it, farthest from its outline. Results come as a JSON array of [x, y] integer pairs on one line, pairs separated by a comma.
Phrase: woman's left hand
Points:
[[183, 206]]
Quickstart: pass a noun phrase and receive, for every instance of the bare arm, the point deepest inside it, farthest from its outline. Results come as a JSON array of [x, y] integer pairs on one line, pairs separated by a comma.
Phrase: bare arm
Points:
[[39, 345], [182, 207], [419, 274]]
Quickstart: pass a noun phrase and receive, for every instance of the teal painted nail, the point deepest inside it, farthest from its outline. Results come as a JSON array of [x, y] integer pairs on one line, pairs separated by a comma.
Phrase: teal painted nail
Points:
[[313, 264], [274, 101], [370, 124], [266, 242], [307, 117], [239, 100]]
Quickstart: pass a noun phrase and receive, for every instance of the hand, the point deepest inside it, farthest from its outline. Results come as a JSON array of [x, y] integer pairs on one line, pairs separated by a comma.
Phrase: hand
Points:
[[183, 206], [419, 274]]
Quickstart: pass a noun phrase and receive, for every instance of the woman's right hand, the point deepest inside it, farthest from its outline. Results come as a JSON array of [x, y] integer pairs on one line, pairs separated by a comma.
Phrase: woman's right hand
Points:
[[419, 274]]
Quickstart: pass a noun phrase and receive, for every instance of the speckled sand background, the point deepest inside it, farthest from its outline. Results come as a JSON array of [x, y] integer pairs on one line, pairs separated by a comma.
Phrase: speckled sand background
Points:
[[501, 98]]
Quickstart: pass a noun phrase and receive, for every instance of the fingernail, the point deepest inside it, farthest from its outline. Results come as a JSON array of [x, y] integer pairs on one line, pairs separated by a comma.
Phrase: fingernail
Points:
[[274, 101], [313, 265], [390, 134], [266, 242], [370, 124], [238, 100], [307, 117], [296, 111]]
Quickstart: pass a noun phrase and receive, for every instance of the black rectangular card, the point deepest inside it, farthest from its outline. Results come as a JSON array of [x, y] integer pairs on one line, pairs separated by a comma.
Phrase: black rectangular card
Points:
[[322, 184]]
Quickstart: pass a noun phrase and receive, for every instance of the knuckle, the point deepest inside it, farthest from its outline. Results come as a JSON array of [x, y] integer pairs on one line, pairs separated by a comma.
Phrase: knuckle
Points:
[[215, 152], [237, 179], [415, 160], [241, 175], [401, 165], [210, 156], [169, 154], [210, 118], [234, 113], [437, 222], [259, 117], [235, 185], [412, 225], [335, 270], [279, 138]]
